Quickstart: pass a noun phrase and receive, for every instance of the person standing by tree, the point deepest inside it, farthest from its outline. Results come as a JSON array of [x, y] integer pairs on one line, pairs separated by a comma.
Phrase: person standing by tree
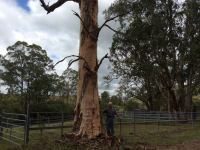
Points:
[[110, 116]]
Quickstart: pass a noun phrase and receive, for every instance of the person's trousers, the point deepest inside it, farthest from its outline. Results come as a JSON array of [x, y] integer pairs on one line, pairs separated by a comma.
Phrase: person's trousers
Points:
[[110, 127]]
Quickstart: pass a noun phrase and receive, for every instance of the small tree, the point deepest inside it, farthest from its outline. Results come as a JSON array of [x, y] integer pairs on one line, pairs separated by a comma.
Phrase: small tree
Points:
[[25, 70]]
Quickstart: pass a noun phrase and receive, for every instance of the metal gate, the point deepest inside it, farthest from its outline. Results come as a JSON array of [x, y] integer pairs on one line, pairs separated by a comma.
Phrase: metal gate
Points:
[[13, 128]]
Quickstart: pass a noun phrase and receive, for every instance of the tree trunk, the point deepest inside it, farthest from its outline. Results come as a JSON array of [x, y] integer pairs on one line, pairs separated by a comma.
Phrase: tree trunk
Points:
[[87, 112], [188, 97], [173, 101]]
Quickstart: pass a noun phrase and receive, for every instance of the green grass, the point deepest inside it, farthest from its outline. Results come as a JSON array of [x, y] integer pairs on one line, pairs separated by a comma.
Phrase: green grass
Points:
[[151, 134], [6, 145]]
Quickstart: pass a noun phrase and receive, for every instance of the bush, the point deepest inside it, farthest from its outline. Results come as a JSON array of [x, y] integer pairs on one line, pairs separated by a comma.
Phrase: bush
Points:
[[53, 106], [130, 105]]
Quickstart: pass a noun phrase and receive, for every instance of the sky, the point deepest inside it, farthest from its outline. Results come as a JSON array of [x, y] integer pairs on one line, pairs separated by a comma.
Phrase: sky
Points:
[[57, 32]]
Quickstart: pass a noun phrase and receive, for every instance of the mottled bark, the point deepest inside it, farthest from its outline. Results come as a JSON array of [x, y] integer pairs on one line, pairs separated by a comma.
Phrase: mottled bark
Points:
[[87, 120], [87, 112]]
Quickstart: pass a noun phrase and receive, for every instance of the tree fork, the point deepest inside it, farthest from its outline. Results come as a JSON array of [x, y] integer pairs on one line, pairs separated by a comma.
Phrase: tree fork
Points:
[[87, 120]]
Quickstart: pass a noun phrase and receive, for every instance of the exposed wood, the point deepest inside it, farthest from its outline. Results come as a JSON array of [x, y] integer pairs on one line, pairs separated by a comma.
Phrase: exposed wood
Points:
[[87, 112], [87, 120]]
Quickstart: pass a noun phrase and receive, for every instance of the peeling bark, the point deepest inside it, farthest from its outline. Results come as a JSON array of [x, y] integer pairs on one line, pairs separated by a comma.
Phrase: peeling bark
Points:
[[87, 112], [87, 120]]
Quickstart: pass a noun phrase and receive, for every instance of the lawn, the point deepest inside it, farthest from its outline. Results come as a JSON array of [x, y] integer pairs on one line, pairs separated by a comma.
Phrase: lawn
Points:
[[132, 135]]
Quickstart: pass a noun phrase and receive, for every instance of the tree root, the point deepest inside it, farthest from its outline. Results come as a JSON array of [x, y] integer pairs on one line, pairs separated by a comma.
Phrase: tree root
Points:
[[101, 142]]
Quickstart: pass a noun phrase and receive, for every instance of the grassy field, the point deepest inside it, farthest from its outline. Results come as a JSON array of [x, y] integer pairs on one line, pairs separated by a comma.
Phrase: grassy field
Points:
[[132, 135], [159, 135]]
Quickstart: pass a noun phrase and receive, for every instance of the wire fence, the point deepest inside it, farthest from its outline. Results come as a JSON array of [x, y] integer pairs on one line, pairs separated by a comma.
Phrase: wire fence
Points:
[[13, 128], [156, 127], [18, 128], [160, 117], [49, 122]]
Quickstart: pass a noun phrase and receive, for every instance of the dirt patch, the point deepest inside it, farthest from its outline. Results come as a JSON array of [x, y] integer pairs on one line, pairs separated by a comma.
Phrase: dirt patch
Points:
[[114, 143], [99, 143]]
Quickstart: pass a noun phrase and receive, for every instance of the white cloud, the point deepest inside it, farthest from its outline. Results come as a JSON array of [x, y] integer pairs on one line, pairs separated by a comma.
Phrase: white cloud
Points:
[[57, 32]]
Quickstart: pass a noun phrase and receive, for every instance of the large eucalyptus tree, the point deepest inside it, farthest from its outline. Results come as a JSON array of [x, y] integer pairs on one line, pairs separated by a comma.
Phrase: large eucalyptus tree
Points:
[[87, 112], [158, 52]]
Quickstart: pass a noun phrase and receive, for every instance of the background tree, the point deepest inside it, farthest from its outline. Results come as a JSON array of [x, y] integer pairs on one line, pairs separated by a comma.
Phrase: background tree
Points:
[[105, 97], [116, 100], [132, 105], [27, 72], [67, 86], [155, 50], [71, 78]]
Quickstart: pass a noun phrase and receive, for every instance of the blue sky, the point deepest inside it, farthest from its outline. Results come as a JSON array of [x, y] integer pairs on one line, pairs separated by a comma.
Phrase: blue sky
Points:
[[23, 4]]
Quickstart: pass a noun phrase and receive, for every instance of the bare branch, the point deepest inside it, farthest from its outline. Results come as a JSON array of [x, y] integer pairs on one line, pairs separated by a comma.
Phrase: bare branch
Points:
[[110, 19], [84, 26], [113, 29], [64, 59], [100, 62], [51, 8], [72, 61], [108, 79], [86, 65]]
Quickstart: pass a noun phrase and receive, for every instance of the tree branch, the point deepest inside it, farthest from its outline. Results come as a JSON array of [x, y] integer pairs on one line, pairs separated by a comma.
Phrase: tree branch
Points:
[[51, 8], [113, 29], [86, 65], [100, 62], [64, 59], [108, 79], [72, 61], [84, 26], [110, 19]]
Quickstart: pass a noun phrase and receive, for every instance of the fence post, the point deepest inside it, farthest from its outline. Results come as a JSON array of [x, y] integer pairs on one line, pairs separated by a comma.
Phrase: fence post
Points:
[[134, 123], [120, 127], [62, 122], [192, 117], [11, 133], [27, 117], [1, 126], [158, 121]]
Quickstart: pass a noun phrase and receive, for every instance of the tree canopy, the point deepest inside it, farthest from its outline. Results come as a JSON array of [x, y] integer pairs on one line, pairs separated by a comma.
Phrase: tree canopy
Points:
[[28, 74], [156, 50]]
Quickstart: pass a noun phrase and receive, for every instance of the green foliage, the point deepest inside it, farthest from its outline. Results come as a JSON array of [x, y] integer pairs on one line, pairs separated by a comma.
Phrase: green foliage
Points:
[[10, 103], [68, 82], [131, 105], [28, 74], [156, 53], [116, 100], [25, 71], [53, 106], [105, 97]]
